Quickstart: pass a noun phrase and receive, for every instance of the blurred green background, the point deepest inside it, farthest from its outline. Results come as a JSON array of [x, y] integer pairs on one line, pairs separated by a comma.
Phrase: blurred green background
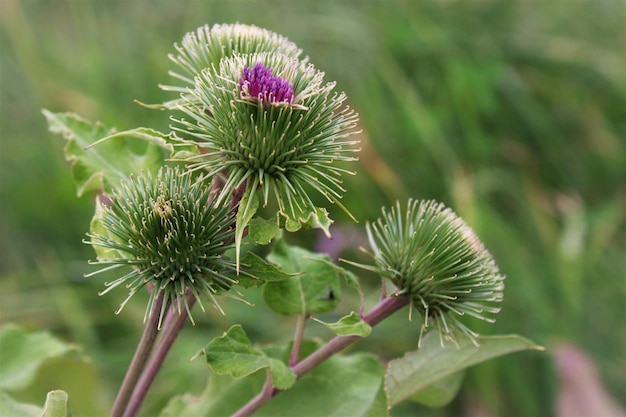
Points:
[[513, 113]]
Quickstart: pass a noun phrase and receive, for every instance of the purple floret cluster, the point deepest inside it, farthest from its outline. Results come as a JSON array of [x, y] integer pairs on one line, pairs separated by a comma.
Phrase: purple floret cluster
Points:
[[260, 83]]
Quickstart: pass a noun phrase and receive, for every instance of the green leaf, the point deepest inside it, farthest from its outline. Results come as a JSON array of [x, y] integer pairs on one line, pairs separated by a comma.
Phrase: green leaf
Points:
[[441, 392], [164, 141], [342, 386], [317, 218], [12, 408], [247, 207], [351, 279], [432, 362], [116, 155], [262, 231], [315, 289], [221, 398], [233, 354], [96, 227], [258, 271], [57, 405], [23, 353], [350, 325], [379, 406]]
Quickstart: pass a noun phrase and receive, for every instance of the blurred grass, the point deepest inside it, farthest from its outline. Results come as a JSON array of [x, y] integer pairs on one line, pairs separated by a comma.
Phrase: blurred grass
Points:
[[511, 112]]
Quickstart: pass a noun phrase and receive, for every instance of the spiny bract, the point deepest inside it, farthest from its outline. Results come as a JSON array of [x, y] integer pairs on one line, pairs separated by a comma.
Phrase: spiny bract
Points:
[[166, 231], [435, 258], [278, 147], [206, 46]]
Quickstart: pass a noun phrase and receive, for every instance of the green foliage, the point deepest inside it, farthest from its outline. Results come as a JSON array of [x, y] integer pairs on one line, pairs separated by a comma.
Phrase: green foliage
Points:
[[440, 393], [247, 208], [233, 354], [350, 325], [23, 354], [56, 405], [315, 286], [101, 157], [262, 231], [317, 218], [344, 385], [10, 407], [259, 271], [434, 361]]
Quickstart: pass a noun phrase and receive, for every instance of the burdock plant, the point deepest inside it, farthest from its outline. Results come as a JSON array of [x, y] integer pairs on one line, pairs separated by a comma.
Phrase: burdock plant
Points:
[[255, 124]]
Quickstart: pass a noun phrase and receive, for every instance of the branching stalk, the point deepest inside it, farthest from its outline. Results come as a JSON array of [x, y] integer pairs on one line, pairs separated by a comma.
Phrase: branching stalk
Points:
[[378, 313], [144, 348], [174, 323], [297, 340]]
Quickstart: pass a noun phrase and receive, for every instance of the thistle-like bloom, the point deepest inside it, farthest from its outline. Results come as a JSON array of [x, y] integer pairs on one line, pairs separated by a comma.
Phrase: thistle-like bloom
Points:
[[435, 258], [268, 122], [163, 232]]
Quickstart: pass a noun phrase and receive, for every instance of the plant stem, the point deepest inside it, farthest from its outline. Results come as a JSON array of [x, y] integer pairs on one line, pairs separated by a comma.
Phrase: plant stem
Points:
[[297, 340], [144, 348], [174, 323], [264, 396], [378, 313]]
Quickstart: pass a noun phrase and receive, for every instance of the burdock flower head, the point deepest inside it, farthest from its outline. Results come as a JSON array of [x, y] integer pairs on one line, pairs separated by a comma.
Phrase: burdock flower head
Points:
[[162, 232], [267, 122], [434, 258]]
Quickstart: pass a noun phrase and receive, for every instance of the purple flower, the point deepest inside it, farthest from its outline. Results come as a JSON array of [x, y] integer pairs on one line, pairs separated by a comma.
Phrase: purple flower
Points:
[[259, 83]]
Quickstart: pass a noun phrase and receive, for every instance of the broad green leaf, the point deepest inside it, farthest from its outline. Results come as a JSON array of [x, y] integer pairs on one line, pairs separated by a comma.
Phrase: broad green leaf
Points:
[[221, 398], [379, 406], [233, 354], [350, 325], [351, 279], [315, 289], [57, 405], [23, 353], [256, 271], [175, 148], [342, 386], [262, 231], [116, 155], [432, 362], [441, 392], [12, 408]]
